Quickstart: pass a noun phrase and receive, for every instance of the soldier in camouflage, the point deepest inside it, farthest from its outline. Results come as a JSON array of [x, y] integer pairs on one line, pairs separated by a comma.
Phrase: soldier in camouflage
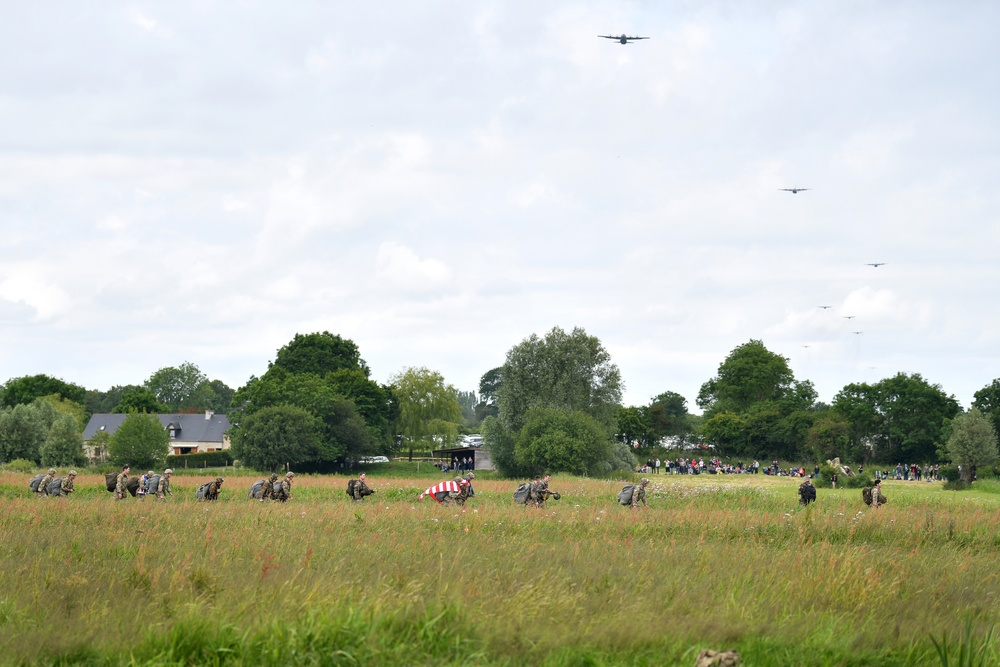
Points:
[[267, 491], [163, 486], [639, 494], [539, 491], [121, 490], [361, 489], [465, 488], [43, 486], [212, 492], [283, 489], [66, 486]]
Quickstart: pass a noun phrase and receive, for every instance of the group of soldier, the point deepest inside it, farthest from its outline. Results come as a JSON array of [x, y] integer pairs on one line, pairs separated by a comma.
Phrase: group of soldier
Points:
[[273, 488], [161, 490], [65, 486]]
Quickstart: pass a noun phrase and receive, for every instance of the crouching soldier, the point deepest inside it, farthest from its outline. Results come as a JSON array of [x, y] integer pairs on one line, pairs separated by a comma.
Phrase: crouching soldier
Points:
[[283, 489], [464, 489], [361, 489], [539, 491], [163, 486], [639, 494], [43, 486], [267, 491], [807, 492], [66, 486], [212, 492]]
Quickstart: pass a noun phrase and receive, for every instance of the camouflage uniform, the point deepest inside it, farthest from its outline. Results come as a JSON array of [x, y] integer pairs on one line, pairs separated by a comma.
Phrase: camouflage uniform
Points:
[[267, 491], [807, 493], [539, 492], [43, 486], [121, 491], [283, 489], [361, 489], [639, 494], [212, 493], [465, 489], [66, 487], [163, 486], [877, 498]]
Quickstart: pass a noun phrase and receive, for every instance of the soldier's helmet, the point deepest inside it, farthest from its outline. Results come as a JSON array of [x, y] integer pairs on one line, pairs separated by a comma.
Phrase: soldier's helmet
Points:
[[52, 471], [274, 477], [168, 471], [150, 473], [72, 473], [220, 480], [290, 474], [471, 475], [644, 481]]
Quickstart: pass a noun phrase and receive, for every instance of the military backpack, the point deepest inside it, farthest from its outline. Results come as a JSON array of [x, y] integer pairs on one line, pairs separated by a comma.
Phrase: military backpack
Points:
[[257, 490], [202, 491], [55, 486], [111, 480], [866, 495], [35, 481], [625, 495], [152, 483], [350, 487], [522, 493]]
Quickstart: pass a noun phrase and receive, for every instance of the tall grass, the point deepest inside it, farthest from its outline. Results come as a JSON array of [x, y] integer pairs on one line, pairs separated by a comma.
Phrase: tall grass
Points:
[[713, 563]]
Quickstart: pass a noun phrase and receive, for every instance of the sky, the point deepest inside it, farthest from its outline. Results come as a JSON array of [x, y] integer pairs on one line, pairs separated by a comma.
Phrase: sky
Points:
[[199, 181]]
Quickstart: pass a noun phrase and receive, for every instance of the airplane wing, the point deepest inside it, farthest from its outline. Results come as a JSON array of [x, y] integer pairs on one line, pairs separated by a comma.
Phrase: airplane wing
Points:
[[637, 38], [609, 36]]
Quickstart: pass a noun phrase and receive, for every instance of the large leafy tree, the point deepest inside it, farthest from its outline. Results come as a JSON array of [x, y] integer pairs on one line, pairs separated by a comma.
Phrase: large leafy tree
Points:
[[276, 436], [324, 375], [554, 439], [564, 371], [140, 441], [973, 442], [181, 388], [139, 399], [427, 406], [24, 390], [755, 407], [828, 437], [899, 419], [987, 400], [635, 426], [23, 429], [668, 415], [64, 444]]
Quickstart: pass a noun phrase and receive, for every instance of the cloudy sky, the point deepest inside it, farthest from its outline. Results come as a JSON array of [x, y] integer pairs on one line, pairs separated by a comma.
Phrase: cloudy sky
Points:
[[198, 181]]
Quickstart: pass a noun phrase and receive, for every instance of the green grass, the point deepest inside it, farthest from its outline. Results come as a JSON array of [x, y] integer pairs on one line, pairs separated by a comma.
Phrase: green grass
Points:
[[716, 562]]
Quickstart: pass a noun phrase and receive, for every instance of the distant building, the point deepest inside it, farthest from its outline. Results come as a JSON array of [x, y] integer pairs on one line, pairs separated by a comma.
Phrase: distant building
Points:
[[201, 432]]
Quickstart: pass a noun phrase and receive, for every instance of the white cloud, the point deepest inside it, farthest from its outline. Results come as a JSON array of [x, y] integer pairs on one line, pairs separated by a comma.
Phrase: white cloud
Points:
[[399, 268]]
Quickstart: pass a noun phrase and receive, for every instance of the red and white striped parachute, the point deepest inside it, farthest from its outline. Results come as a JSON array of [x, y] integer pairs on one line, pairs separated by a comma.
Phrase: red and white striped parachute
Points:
[[439, 491]]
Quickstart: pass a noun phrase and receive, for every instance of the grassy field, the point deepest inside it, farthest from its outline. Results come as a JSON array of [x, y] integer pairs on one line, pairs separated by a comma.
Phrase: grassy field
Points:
[[715, 562]]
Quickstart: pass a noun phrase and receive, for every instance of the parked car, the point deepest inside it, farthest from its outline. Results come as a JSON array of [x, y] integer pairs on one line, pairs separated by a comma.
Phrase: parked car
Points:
[[374, 459], [473, 440]]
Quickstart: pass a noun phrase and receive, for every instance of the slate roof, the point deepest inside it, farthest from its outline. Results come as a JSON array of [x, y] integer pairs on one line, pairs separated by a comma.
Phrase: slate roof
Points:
[[193, 428]]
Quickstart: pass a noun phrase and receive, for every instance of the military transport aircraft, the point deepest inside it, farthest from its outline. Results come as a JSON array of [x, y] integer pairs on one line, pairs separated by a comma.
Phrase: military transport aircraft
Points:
[[794, 191], [624, 39]]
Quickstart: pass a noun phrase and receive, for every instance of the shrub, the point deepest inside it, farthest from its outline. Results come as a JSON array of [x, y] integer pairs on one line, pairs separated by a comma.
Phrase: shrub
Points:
[[953, 479], [201, 460], [855, 481], [20, 465], [825, 479]]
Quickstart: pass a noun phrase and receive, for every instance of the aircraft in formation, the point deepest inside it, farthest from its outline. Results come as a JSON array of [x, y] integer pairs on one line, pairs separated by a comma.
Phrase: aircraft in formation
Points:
[[794, 191], [875, 264], [623, 39]]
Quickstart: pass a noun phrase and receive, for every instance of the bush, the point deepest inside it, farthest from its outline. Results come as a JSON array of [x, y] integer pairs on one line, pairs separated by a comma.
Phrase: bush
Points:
[[20, 465], [953, 479], [855, 481], [825, 479], [201, 460]]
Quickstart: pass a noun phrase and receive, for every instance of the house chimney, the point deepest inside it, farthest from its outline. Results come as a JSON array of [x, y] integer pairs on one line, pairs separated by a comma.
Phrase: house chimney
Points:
[[209, 414]]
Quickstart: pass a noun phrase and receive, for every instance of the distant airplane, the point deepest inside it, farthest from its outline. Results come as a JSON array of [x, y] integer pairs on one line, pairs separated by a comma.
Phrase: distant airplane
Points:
[[849, 317], [624, 39], [875, 264], [857, 333], [806, 346], [794, 191], [824, 307]]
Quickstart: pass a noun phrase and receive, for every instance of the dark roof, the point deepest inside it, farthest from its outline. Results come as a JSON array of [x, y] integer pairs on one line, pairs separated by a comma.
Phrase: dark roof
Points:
[[193, 428]]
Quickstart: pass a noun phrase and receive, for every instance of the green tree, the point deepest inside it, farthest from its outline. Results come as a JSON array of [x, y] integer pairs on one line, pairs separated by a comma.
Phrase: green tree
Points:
[[558, 440], [64, 444], [571, 371], [139, 399], [24, 390], [424, 398], [320, 353], [829, 437], [276, 436], [899, 419], [181, 388], [105, 401], [140, 441], [634, 425], [750, 374], [64, 406], [668, 415], [567, 371], [973, 443], [987, 400], [23, 429], [99, 443]]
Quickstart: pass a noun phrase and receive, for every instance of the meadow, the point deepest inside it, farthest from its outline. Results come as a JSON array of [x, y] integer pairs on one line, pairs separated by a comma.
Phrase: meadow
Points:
[[714, 562]]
